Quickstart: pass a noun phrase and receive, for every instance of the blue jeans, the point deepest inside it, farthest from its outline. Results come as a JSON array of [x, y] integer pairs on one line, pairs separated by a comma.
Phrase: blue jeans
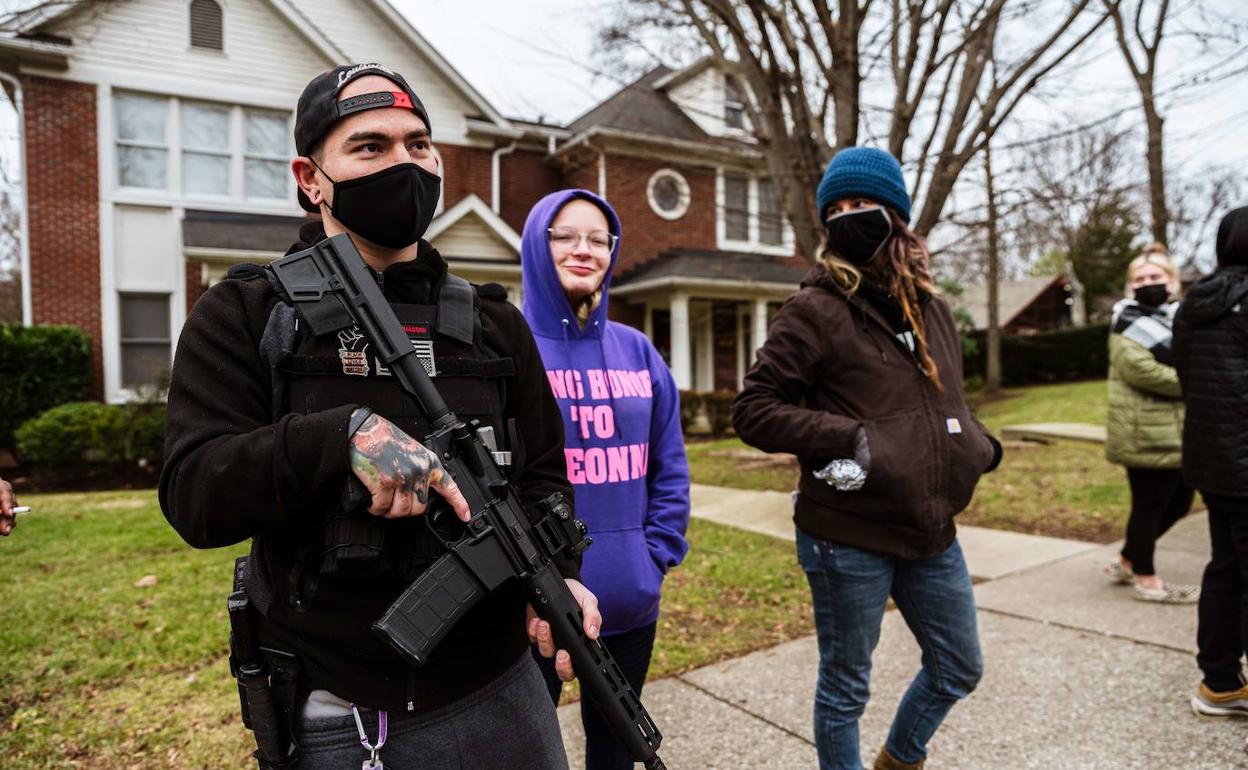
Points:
[[850, 588]]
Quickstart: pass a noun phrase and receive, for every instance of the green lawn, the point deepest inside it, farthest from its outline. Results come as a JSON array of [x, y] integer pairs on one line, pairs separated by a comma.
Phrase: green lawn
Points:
[[1063, 489], [102, 673]]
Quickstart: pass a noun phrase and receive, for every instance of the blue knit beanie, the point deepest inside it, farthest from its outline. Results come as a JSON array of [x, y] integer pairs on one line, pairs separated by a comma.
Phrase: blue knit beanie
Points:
[[864, 172]]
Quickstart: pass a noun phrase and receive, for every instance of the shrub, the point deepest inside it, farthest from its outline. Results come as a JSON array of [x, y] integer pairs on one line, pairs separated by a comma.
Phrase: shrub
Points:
[[91, 433], [715, 405], [40, 367], [1062, 356]]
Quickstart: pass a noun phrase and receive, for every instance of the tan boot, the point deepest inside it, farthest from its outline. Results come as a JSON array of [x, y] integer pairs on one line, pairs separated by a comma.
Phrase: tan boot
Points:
[[886, 761]]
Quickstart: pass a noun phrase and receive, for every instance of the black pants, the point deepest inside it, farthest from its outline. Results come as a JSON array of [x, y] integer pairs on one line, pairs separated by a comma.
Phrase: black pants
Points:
[[1223, 629], [631, 651], [1159, 498]]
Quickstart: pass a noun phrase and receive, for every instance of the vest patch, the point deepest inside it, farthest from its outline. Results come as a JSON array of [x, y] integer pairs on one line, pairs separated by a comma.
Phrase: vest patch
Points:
[[353, 352]]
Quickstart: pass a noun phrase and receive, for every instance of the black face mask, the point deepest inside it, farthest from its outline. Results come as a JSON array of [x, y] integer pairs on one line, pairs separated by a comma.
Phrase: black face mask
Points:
[[391, 208], [1152, 295], [857, 236]]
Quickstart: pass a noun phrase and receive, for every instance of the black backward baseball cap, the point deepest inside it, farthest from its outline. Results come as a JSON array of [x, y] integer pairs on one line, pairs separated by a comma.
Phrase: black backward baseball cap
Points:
[[319, 108]]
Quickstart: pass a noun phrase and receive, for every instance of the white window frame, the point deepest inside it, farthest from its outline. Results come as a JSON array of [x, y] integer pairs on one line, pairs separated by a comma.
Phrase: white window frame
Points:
[[751, 243], [173, 194], [242, 155], [130, 393], [738, 104], [682, 206], [166, 146]]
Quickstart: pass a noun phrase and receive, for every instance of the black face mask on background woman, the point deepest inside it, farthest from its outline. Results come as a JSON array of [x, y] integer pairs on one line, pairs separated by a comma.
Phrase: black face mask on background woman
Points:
[[391, 208], [1152, 295], [857, 236]]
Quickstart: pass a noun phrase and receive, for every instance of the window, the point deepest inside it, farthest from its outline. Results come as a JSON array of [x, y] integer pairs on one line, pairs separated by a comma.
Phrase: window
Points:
[[770, 218], [145, 339], [205, 149], [736, 207], [668, 194], [734, 107], [751, 216], [206, 25], [266, 154], [142, 142], [221, 151]]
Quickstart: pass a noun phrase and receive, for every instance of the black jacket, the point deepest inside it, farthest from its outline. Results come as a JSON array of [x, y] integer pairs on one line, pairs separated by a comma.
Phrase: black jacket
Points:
[[235, 470], [1211, 356], [832, 363]]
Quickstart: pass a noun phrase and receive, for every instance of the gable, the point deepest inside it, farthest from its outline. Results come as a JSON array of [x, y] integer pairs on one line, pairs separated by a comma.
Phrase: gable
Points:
[[470, 230], [472, 238], [146, 42], [361, 30]]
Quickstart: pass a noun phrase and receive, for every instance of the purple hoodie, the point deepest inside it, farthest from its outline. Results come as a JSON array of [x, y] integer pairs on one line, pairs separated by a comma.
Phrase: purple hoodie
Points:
[[622, 437]]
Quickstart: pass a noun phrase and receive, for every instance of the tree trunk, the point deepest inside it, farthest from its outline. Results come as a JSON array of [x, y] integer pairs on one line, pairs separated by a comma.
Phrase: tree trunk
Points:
[[1156, 172], [992, 376]]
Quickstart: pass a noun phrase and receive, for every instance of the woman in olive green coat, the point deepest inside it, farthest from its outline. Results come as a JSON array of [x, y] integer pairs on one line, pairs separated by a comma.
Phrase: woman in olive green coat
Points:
[[1146, 422]]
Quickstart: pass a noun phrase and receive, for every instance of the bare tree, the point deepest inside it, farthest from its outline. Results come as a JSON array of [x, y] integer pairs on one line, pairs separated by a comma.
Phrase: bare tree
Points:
[[805, 61], [1139, 49], [1071, 184], [992, 371]]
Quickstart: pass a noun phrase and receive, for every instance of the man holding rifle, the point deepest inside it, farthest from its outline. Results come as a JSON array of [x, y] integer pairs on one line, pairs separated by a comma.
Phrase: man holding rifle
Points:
[[268, 423]]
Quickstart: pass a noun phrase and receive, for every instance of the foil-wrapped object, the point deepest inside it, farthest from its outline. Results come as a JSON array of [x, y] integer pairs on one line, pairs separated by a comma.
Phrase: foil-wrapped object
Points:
[[845, 475]]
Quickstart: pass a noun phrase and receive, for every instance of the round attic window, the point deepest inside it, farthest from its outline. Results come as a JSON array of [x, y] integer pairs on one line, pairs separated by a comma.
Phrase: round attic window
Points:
[[668, 193]]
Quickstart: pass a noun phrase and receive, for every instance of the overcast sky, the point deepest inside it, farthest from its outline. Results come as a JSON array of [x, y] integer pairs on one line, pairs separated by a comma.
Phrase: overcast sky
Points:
[[535, 58]]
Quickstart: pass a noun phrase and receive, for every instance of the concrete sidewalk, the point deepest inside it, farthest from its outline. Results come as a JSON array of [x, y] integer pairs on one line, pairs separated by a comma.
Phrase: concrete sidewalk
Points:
[[1079, 675]]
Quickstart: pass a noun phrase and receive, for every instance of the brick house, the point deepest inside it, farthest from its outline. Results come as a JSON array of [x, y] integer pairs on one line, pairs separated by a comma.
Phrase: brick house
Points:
[[157, 136]]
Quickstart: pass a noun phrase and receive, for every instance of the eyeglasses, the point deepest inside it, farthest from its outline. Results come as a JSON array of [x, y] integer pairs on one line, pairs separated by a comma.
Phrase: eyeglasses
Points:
[[598, 242]]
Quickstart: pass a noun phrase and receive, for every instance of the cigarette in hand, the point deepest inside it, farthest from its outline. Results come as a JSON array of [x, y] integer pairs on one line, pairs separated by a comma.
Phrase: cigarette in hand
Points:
[[20, 509]]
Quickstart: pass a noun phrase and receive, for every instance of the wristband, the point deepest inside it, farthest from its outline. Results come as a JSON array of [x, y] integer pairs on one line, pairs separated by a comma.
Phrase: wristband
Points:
[[358, 418]]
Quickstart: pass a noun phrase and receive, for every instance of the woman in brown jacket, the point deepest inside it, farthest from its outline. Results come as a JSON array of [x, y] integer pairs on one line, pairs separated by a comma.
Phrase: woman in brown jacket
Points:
[[861, 378]]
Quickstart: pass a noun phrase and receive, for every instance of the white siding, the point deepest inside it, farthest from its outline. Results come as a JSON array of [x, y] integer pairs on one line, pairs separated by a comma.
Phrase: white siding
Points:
[[144, 43], [366, 37], [148, 238], [470, 238], [702, 99]]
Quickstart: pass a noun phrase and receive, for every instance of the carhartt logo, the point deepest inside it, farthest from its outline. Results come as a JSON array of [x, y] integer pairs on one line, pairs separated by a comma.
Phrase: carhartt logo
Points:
[[346, 75]]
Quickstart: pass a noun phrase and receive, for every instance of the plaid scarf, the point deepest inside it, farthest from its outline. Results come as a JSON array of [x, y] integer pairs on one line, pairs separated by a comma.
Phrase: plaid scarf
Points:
[[1149, 326]]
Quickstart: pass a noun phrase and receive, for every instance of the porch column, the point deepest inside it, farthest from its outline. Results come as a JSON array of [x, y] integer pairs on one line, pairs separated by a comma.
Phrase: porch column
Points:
[[682, 369], [647, 325], [759, 334]]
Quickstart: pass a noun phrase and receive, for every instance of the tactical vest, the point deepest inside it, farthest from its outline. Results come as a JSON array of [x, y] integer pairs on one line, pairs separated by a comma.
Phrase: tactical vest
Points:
[[344, 544]]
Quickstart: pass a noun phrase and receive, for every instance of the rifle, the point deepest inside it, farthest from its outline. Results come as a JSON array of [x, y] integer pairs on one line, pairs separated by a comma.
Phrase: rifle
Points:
[[331, 288]]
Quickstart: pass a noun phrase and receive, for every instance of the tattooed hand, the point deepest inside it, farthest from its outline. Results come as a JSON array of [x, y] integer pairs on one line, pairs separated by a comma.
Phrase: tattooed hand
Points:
[[399, 471], [8, 519]]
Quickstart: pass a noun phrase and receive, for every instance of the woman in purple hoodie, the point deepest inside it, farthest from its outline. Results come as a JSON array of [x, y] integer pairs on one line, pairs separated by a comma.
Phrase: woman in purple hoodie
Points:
[[623, 444]]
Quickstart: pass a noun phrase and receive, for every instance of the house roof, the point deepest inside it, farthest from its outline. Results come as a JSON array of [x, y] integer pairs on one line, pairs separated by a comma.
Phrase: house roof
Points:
[[30, 22], [242, 232], [707, 264], [641, 108], [1013, 297]]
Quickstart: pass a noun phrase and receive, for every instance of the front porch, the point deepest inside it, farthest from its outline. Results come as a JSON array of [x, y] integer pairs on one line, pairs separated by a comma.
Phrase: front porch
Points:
[[707, 312]]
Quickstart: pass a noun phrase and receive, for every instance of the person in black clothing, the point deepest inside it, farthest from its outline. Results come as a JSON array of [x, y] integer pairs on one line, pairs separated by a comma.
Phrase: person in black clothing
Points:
[[1211, 356], [266, 425]]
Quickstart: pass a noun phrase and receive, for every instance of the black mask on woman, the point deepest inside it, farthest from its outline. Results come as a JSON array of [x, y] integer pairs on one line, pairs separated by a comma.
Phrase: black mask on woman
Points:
[[391, 208], [1152, 295], [857, 236]]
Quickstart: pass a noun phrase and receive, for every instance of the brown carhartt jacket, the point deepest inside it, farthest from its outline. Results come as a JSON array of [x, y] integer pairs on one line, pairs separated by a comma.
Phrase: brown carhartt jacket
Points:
[[832, 364]]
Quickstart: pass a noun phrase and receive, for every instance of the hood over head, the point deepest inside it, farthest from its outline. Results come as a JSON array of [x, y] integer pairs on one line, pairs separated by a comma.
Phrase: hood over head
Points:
[[545, 305], [1215, 295], [1233, 238]]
